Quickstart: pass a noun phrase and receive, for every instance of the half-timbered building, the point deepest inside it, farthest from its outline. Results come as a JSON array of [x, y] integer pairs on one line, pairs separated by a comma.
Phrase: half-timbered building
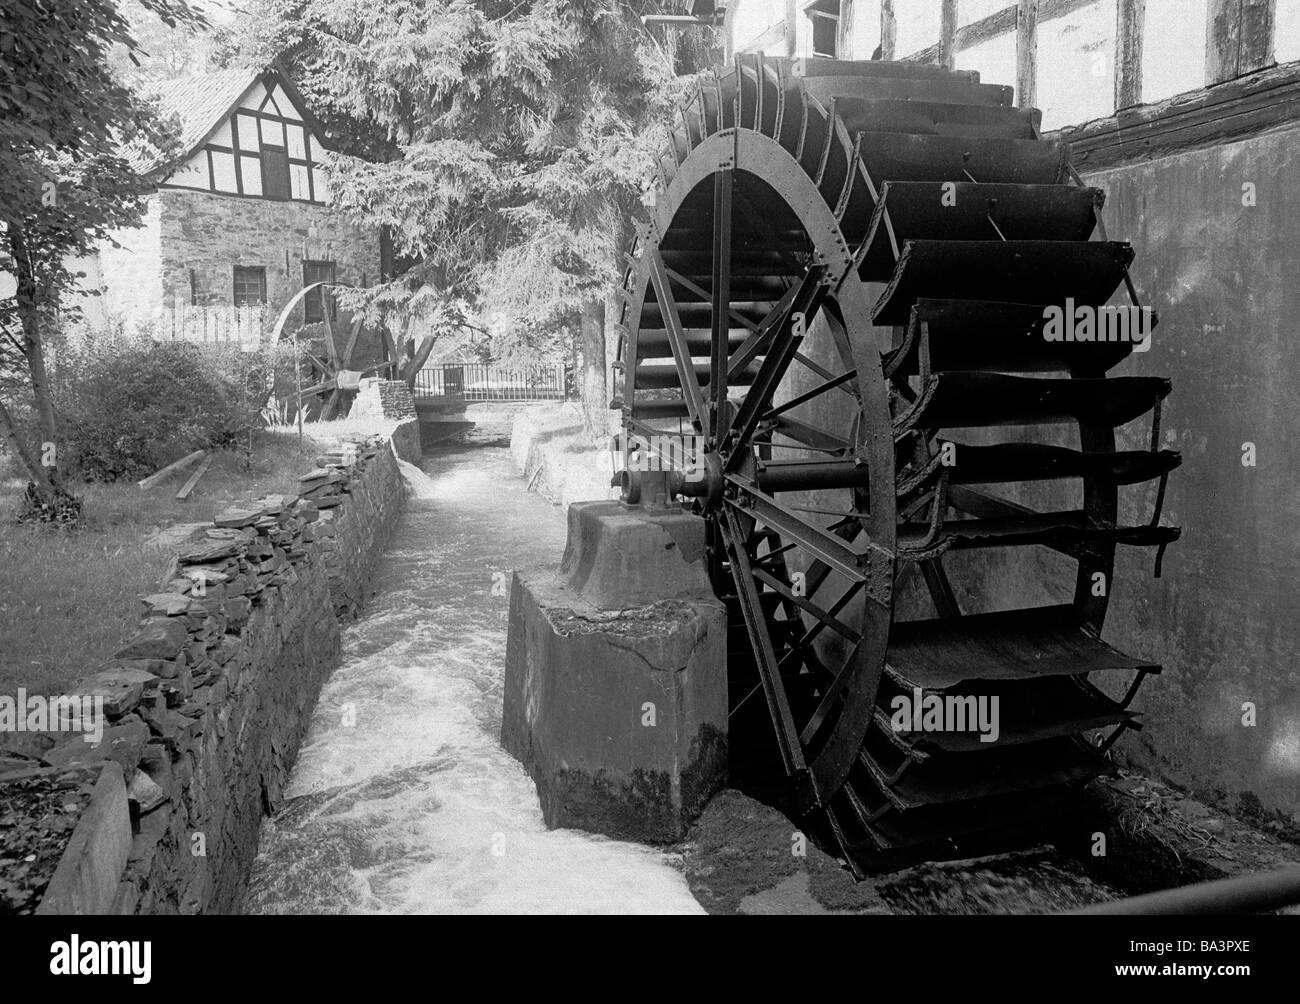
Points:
[[239, 219]]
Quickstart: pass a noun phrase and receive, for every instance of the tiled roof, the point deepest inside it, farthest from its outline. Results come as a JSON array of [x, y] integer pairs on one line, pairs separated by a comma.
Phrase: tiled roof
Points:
[[201, 101]]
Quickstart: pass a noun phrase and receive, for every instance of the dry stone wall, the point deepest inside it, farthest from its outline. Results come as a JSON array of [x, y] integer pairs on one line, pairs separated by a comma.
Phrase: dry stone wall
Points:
[[208, 703]]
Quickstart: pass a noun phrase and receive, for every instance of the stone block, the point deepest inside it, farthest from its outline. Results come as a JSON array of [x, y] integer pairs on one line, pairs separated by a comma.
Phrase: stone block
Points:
[[87, 877], [621, 556], [620, 717], [122, 744], [120, 688], [159, 638]]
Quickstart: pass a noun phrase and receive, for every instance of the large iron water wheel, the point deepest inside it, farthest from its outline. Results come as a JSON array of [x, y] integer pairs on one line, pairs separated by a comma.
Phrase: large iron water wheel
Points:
[[846, 263]]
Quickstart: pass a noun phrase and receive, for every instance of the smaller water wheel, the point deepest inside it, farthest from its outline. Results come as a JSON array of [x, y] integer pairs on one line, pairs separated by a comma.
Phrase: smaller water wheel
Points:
[[337, 379], [334, 378]]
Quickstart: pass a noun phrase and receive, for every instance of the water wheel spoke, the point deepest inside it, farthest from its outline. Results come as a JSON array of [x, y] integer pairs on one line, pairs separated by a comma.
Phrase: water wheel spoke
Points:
[[756, 344], [722, 188], [780, 354], [811, 436], [936, 580], [811, 634], [677, 339], [805, 604], [824, 373], [757, 627], [804, 398], [827, 547], [830, 698], [696, 289]]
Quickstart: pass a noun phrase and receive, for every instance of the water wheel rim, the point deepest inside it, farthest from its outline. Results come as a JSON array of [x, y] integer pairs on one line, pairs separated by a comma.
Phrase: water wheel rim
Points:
[[824, 754]]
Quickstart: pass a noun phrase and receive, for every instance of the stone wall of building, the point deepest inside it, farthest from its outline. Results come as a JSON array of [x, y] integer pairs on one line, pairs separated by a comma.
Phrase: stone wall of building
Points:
[[202, 237], [208, 704]]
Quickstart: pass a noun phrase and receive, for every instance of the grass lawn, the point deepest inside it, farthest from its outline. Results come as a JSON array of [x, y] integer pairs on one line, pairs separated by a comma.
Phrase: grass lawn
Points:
[[69, 599]]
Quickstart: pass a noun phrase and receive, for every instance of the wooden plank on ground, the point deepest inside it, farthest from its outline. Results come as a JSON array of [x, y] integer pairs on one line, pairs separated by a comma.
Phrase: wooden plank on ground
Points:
[[169, 470], [184, 494]]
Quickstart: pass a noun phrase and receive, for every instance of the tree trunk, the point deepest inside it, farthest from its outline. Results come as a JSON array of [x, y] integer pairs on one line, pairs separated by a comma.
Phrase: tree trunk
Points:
[[29, 315], [35, 472], [591, 382]]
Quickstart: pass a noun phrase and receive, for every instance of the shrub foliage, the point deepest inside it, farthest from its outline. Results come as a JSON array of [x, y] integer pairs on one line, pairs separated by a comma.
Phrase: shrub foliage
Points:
[[133, 406]]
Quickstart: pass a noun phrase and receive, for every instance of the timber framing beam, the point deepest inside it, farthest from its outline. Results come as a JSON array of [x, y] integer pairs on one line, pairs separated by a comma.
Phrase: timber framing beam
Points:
[[948, 34], [1027, 53], [888, 30], [1240, 38], [1246, 92], [844, 30], [1011, 18], [1130, 18], [1242, 107]]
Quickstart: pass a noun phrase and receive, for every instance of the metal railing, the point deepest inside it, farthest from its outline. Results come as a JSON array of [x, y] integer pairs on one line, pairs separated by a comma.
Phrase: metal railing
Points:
[[488, 382]]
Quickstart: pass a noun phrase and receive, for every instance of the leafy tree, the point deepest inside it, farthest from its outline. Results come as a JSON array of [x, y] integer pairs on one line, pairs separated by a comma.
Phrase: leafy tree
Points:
[[68, 131], [162, 51], [507, 143]]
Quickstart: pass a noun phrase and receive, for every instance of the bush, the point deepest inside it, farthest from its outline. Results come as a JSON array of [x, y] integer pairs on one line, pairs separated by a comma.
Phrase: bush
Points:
[[131, 406]]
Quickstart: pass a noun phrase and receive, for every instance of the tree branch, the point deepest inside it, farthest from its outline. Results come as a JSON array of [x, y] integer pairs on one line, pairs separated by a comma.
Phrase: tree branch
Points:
[[35, 472]]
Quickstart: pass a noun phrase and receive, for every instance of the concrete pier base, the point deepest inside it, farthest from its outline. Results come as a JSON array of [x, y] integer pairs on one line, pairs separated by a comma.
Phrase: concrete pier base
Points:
[[616, 683]]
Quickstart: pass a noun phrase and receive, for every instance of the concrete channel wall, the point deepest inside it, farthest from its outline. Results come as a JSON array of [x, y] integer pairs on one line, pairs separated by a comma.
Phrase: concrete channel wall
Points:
[[208, 704], [1215, 231]]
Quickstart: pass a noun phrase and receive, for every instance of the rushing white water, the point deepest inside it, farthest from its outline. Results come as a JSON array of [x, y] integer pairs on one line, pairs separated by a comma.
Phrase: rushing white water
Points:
[[402, 800]]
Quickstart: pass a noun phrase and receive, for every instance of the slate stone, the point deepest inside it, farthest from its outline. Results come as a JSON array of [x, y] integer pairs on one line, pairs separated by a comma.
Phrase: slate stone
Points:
[[120, 686], [210, 576], [321, 475], [123, 744], [18, 764], [241, 585], [157, 763], [167, 604], [237, 609], [236, 519], [210, 553], [145, 792], [163, 668], [159, 638], [173, 728]]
